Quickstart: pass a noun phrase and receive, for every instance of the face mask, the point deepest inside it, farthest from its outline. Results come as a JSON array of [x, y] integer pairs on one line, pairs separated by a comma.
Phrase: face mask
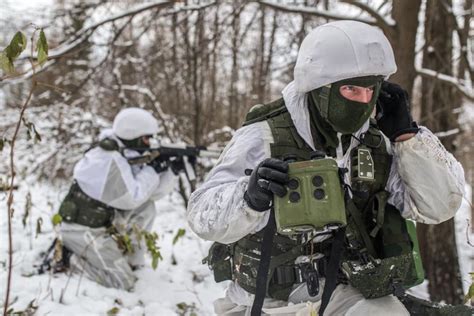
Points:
[[344, 115]]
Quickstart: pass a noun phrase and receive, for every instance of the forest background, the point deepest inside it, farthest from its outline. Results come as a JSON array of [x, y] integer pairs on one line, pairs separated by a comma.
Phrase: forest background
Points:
[[199, 66]]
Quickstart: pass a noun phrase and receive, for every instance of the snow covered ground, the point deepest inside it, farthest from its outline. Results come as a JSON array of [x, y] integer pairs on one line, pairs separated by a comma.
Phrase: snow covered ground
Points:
[[181, 285]]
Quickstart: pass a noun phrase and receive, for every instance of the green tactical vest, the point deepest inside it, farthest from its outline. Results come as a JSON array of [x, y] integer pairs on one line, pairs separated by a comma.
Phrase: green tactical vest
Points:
[[77, 207], [381, 253]]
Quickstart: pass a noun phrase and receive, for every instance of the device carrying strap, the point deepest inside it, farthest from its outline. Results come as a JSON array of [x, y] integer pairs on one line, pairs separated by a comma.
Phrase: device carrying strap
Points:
[[264, 266], [332, 268]]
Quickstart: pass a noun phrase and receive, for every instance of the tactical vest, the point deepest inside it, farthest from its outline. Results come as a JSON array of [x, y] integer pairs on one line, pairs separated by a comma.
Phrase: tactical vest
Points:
[[381, 250], [77, 207]]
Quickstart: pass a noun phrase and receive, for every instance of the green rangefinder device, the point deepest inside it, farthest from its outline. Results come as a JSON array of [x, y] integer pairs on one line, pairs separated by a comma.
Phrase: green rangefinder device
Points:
[[315, 198]]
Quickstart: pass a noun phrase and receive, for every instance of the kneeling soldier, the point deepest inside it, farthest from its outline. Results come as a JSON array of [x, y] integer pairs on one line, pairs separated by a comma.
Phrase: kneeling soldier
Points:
[[111, 196]]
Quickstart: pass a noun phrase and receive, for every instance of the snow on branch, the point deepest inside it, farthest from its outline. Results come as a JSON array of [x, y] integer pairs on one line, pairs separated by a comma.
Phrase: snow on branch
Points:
[[382, 22], [452, 81], [451, 132], [84, 34], [316, 12], [88, 31]]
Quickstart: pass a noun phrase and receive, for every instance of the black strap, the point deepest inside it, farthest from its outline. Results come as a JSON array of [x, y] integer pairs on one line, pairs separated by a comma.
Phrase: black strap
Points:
[[46, 263], [264, 266], [332, 268]]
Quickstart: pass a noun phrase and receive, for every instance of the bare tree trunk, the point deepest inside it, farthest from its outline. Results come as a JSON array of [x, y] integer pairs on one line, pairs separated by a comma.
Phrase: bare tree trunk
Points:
[[213, 73], [466, 152], [266, 75], [234, 75], [259, 64], [403, 40], [438, 242], [174, 56], [196, 84]]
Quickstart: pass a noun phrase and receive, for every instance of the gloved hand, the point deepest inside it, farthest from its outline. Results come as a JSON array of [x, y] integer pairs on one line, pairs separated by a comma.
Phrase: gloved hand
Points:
[[268, 178], [393, 111], [177, 165], [159, 165]]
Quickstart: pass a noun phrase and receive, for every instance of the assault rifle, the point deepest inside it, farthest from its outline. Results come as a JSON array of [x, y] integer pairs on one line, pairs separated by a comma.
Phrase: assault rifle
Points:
[[165, 155]]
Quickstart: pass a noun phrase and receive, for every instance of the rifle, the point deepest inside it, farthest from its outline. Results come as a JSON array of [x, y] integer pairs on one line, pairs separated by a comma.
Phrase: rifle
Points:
[[165, 154]]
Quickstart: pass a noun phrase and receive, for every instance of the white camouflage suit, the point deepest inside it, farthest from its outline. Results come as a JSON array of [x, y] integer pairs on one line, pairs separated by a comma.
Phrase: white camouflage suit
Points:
[[106, 176], [426, 182]]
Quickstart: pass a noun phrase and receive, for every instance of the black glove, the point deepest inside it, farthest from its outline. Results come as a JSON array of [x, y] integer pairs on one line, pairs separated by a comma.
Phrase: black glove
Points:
[[268, 178], [177, 165], [393, 111], [159, 165]]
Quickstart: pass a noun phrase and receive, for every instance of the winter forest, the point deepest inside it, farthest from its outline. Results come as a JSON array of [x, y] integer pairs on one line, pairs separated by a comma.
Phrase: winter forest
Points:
[[198, 66]]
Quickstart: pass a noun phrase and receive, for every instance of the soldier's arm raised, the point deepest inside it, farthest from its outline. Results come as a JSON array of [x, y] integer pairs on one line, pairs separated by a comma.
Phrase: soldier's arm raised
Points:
[[426, 181]]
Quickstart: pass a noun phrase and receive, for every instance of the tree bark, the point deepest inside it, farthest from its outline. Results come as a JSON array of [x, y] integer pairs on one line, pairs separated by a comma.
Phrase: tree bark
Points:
[[403, 40], [234, 101], [438, 242]]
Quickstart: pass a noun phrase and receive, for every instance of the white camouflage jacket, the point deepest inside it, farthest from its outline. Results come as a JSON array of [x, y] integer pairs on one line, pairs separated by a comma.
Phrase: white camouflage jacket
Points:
[[106, 176]]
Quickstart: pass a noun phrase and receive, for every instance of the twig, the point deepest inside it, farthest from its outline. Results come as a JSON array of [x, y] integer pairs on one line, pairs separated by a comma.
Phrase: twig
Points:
[[81, 255], [467, 233], [12, 185], [452, 81], [8, 188], [47, 85], [381, 21], [315, 12], [84, 35]]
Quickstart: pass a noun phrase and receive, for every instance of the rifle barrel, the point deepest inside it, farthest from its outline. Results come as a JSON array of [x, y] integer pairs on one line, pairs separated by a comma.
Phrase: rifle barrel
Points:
[[174, 151]]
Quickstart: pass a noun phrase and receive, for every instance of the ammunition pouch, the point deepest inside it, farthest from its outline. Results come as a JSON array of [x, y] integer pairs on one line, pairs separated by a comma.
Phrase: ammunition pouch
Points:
[[419, 307], [220, 261], [379, 277], [77, 207], [392, 260]]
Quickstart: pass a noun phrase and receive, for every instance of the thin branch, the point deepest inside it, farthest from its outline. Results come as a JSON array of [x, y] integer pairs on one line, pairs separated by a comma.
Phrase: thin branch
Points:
[[84, 34], [450, 80], [467, 233], [382, 22], [12, 184], [54, 87], [462, 35], [315, 12], [451, 132]]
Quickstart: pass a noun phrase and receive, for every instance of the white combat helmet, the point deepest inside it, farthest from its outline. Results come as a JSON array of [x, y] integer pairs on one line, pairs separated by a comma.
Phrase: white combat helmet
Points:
[[341, 50], [132, 123]]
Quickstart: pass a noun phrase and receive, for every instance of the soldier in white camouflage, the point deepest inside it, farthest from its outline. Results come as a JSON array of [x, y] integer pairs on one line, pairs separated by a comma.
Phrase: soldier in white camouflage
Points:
[[339, 101], [109, 196]]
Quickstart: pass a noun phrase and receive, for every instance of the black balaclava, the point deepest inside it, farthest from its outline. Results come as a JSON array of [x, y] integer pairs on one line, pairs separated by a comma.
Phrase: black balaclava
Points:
[[343, 115]]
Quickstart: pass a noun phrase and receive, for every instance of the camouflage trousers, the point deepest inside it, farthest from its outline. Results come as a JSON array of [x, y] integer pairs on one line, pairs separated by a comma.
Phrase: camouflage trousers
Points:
[[97, 254], [345, 300]]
